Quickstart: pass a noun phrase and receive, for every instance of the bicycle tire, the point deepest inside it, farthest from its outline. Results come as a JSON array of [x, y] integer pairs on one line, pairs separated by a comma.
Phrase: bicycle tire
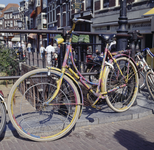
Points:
[[35, 121], [2, 117], [142, 83], [123, 98], [150, 83]]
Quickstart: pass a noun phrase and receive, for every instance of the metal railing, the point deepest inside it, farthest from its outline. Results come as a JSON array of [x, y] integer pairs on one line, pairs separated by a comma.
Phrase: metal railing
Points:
[[34, 58]]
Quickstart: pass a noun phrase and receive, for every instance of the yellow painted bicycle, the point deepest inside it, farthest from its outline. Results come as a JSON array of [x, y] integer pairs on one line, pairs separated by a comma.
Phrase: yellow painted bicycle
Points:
[[44, 104]]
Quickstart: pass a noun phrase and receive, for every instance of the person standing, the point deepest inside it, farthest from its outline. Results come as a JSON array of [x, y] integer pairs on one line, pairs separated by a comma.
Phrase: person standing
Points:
[[49, 49]]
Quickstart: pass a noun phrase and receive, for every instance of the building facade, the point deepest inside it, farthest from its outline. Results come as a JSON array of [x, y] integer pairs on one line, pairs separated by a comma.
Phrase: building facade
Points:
[[106, 15], [8, 20]]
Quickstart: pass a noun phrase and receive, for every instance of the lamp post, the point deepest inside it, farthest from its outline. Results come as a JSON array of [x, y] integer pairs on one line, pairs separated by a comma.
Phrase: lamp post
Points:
[[19, 26], [122, 31], [7, 27], [20, 48]]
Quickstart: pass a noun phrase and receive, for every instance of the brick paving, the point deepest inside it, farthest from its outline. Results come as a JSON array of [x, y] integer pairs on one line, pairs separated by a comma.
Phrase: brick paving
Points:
[[137, 134]]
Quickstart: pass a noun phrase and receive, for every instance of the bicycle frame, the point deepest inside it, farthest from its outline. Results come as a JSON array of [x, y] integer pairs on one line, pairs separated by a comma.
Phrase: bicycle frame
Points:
[[82, 80], [141, 61]]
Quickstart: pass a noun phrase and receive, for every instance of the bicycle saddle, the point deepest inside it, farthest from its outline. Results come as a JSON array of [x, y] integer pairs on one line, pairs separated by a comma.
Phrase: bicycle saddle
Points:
[[107, 37]]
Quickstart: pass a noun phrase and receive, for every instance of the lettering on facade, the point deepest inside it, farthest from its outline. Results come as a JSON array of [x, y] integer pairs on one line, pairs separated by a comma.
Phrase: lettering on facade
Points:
[[141, 25], [101, 28]]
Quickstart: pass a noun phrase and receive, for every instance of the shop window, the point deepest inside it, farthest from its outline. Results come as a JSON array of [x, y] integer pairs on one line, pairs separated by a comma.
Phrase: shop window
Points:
[[106, 3]]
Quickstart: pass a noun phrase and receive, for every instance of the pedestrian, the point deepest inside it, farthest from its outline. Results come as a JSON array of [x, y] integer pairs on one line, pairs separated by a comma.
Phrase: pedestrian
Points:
[[23, 46], [19, 44], [29, 47], [42, 50], [49, 49]]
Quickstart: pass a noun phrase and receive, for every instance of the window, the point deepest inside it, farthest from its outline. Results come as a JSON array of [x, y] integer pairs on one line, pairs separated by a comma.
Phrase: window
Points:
[[38, 3], [89, 5], [8, 16], [31, 23], [0, 21], [11, 15], [11, 23], [5, 23]]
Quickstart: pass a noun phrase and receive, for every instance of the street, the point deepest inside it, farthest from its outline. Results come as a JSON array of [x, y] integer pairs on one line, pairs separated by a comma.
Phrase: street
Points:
[[137, 134]]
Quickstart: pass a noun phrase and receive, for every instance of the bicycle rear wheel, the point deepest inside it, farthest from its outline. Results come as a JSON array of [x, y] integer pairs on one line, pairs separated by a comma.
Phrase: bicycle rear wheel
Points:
[[150, 83], [2, 117], [43, 122], [123, 98]]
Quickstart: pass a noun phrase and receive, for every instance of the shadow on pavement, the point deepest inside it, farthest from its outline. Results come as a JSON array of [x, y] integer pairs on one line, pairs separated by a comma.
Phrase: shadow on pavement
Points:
[[132, 141], [3, 134], [15, 133]]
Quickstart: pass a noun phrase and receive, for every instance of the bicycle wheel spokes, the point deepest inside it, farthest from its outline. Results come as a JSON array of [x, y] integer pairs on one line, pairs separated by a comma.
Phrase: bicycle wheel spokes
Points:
[[44, 122], [122, 98]]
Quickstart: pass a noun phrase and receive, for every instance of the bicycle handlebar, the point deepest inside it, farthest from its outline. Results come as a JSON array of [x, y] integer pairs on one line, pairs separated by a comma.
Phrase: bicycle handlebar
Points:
[[75, 20], [149, 52]]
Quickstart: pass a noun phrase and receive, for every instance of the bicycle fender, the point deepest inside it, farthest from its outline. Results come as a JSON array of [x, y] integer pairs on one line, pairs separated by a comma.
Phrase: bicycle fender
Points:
[[76, 83], [117, 56], [3, 101]]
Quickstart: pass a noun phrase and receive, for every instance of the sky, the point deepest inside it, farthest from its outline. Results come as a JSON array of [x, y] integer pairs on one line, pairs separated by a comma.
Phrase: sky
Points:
[[5, 2]]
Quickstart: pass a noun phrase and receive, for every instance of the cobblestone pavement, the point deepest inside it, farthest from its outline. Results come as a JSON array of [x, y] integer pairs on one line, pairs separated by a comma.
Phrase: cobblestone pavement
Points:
[[137, 134]]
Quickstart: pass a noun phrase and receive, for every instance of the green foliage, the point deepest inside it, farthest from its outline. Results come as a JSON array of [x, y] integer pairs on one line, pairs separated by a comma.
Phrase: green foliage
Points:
[[8, 62]]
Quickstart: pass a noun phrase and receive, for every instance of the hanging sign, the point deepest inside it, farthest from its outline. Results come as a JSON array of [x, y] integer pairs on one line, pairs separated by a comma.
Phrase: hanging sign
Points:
[[77, 4]]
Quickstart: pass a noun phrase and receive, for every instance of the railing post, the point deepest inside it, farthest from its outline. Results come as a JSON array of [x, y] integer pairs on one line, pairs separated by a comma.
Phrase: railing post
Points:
[[33, 57], [26, 57], [37, 59], [29, 57], [94, 41], [84, 59], [79, 58], [43, 60]]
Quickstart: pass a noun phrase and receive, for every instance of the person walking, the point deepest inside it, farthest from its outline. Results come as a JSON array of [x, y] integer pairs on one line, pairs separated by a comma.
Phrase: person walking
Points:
[[29, 47], [42, 50], [49, 49]]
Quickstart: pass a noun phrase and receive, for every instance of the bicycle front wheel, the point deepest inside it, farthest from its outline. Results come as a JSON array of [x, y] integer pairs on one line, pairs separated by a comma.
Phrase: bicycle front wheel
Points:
[[150, 83], [41, 122], [121, 99]]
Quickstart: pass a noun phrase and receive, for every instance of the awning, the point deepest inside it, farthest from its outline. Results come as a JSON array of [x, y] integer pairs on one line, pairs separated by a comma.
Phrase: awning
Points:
[[32, 36], [15, 39], [149, 13], [33, 14]]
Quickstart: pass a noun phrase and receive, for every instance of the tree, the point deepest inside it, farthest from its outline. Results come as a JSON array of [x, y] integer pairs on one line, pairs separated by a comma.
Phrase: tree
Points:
[[8, 62]]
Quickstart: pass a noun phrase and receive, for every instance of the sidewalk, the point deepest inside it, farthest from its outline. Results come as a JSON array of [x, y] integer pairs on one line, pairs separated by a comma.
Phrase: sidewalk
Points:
[[91, 116]]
